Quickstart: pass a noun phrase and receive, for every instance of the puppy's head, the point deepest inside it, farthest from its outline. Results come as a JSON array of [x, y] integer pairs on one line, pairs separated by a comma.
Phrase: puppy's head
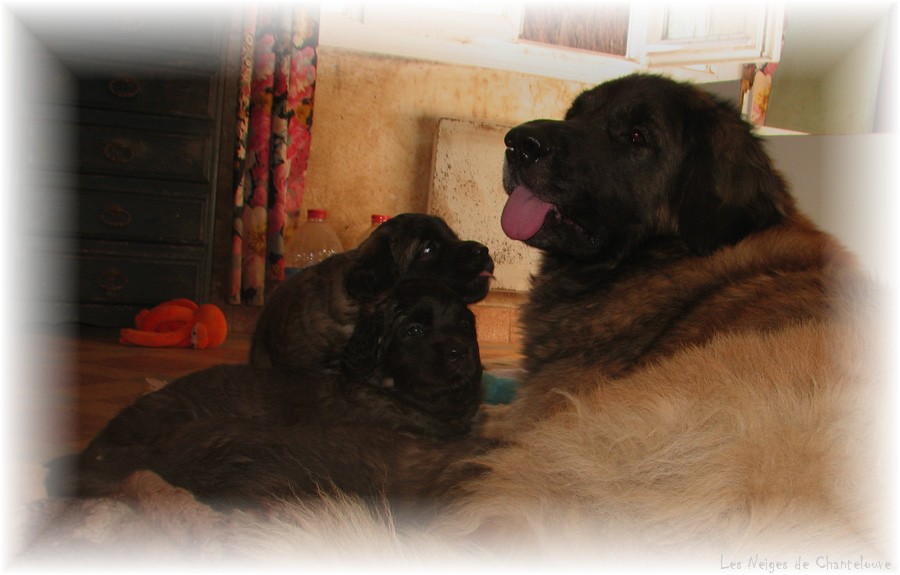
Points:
[[419, 347], [420, 245], [636, 158]]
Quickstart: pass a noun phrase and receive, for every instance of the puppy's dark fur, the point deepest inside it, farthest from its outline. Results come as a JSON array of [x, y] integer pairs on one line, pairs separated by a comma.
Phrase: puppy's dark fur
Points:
[[311, 315], [399, 411]]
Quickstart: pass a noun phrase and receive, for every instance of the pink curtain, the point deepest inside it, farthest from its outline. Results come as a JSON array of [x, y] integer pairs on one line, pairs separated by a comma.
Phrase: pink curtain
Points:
[[756, 87], [278, 76]]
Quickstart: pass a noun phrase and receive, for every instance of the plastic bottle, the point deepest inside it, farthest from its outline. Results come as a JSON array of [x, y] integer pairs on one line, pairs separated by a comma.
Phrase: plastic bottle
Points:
[[377, 220], [313, 242]]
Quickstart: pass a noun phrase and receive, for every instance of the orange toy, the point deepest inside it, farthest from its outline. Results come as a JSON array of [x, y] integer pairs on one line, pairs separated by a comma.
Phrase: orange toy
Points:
[[177, 323]]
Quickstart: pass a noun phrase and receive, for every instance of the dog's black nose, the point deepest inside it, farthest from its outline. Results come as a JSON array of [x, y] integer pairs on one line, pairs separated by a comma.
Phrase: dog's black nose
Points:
[[457, 353], [475, 249], [526, 144]]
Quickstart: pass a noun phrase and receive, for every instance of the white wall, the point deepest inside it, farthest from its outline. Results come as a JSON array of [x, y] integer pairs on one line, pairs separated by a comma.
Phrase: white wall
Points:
[[840, 100], [848, 185], [850, 90]]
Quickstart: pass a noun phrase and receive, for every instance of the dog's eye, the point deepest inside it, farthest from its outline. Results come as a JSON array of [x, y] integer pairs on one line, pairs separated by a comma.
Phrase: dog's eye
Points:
[[430, 248], [637, 137], [415, 330]]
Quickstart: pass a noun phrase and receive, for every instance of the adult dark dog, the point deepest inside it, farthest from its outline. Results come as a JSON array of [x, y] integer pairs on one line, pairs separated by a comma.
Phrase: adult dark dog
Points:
[[697, 379], [663, 224], [398, 413], [311, 315]]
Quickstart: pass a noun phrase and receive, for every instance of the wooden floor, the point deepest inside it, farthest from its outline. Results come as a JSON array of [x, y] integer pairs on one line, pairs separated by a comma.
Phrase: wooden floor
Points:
[[76, 382]]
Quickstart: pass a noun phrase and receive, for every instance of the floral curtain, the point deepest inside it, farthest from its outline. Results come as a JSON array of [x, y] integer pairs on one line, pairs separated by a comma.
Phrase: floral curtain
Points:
[[277, 85], [756, 87]]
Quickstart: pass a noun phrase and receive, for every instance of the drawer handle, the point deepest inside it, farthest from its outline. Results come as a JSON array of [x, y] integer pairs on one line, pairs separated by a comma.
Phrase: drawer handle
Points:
[[112, 281], [115, 216], [124, 87], [118, 153]]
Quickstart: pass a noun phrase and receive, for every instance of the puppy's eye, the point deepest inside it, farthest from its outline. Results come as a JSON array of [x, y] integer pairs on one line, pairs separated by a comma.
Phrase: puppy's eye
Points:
[[415, 330], [430, 248], [637, 137]]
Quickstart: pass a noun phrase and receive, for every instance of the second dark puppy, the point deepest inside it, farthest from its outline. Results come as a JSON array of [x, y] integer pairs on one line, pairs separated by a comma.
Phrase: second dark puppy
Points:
[[310, 316], [406, 397]]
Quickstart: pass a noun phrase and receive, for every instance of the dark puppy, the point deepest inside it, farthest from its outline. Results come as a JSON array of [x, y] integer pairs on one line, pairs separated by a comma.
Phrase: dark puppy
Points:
[[410, 384], [247, 463], [311, 315]]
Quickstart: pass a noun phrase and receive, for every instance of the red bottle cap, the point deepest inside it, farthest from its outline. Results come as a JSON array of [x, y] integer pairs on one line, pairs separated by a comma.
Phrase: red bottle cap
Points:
[[316, 214], [379, 219]]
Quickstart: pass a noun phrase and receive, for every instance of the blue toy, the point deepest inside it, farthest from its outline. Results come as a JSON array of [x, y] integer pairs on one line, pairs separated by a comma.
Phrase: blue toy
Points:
[[498, 389]]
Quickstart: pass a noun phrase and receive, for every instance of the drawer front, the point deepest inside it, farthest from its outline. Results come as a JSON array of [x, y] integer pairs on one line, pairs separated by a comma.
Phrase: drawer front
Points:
[[139, 281], [119, 151], [133, 89], [111, 215]]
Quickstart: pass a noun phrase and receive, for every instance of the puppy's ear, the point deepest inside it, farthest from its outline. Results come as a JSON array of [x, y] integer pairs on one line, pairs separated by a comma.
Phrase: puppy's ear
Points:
[[374, 270], [362, 356], [728, 187]]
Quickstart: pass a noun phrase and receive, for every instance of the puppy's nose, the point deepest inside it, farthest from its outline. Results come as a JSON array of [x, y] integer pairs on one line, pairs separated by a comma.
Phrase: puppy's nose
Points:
[[526, 144], [457, 353], [475, 249]]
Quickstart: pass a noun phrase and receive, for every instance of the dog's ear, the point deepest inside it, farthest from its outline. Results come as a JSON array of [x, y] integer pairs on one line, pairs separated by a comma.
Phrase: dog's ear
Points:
[[362, 356], [373, 270], [728, 187]]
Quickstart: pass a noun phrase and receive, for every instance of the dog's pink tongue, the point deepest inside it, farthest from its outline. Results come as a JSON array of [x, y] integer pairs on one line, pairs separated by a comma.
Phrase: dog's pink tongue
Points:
[[523, 214]]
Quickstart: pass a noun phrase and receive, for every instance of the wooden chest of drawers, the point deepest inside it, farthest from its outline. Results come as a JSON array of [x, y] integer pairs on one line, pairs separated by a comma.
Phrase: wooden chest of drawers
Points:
[[144, 122]]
